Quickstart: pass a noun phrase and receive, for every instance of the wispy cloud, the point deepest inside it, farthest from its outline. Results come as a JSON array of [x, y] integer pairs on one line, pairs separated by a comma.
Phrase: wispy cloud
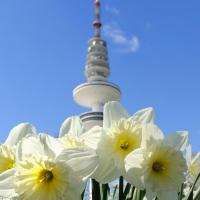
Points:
[[127, 44], [112, 10]]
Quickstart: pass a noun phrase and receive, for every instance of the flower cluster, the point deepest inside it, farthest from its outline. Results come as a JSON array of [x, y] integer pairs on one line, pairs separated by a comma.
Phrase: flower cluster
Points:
[[86, 164]]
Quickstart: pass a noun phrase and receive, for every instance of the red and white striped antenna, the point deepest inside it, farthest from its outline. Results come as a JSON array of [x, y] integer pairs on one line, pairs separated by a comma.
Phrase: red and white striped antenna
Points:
[[97, 22]]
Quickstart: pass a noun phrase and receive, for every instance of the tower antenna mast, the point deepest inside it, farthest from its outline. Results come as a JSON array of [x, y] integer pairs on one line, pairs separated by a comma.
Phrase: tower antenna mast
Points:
[[97, 22]]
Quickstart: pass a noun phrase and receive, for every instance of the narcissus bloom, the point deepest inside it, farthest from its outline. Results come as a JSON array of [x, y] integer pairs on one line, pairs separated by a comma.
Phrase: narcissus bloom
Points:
[[45, 170], [120, 135], [7, 150], [71, 133], [159, 166], [8, 154], [193, 165]]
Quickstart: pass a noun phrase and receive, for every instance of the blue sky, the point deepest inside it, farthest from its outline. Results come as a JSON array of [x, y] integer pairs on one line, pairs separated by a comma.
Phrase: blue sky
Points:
[[154, 56]]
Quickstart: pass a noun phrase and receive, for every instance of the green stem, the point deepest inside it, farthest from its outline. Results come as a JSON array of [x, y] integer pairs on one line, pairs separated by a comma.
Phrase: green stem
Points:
[[190, 195], [96, 194], [181, 192], [115, 190], [197, 196], [126, 191], [121, 187], [82, 195], [198, 177], [105, 191], [142, 194], [132, 193]]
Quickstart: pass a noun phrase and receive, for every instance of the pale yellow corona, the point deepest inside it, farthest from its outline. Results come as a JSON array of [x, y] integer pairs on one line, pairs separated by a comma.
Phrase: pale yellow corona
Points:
[[41, 178], [194, 170], [125, 137], [7, 158], [70, 141], [165, 167]]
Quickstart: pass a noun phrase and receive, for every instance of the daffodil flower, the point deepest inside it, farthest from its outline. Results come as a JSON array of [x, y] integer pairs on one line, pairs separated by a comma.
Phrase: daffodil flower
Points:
[[121, 134], [8, 156], [159, 166], [73, 135], [193, 166], [45, 170]]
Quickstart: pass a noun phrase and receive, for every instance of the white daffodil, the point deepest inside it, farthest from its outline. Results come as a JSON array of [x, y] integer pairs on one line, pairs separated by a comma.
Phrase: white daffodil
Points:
[[7, 150], [71, 133], [45, 170], [193, 166], [8, 156], [120, 135], [159, 166]]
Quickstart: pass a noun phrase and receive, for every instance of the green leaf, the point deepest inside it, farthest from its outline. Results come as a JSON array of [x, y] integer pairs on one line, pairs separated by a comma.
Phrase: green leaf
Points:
[[82, 195], [138, 194], [96, 193], [115, 191], [197, 195], [180, 196], [121, 187], [190, 195], [105, 191], [132, 193], [126, 191]]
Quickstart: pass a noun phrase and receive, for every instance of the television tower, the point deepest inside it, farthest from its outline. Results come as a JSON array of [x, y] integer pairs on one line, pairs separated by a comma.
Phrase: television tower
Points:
[[94, 93]]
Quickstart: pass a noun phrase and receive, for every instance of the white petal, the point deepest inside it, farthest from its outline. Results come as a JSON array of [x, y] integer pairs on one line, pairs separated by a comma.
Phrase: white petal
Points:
[[164, 195], [106, 171], [144, 116], [113, 111], [134, 159], [72, 125], [29, 145], [150, 195], [189, 155], [179, 140], [82, 161], [134, 170], [51, 146], [150, 133], [196, 160], [7, 184], [7, 179], [19, 132], [93, 137], [39, 145], [73, 194]]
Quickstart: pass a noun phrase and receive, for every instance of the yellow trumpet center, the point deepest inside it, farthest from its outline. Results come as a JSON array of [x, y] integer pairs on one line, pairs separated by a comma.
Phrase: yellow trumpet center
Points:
[[124, 145], [165, 167], [125, 137], [158, 167], [45, 176], [42, 177]]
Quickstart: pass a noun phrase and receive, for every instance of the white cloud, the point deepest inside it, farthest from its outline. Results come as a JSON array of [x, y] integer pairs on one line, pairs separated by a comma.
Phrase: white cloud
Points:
[[134, 43], [127, 44], [112, 10]]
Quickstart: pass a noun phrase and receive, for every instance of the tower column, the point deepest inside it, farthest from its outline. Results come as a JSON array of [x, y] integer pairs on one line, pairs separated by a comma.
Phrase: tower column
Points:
[[94, 93]]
